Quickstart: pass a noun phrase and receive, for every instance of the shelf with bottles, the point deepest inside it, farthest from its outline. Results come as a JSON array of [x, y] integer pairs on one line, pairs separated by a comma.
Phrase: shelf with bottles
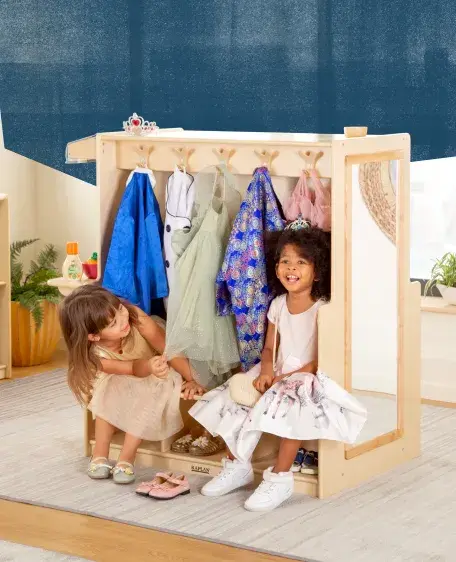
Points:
[[75, 272]]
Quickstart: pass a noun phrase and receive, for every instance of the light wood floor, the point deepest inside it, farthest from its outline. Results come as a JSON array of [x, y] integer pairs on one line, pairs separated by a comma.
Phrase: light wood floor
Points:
[[100, 540], [106, 541], [57, 362]]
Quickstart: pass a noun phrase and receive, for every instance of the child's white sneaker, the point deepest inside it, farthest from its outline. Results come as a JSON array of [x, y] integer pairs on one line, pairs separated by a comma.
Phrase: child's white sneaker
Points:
[[233, 475], [272, 492]]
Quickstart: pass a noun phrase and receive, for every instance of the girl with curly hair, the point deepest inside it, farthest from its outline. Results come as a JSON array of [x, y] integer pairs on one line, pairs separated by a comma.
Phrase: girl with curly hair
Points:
[[295, 401]]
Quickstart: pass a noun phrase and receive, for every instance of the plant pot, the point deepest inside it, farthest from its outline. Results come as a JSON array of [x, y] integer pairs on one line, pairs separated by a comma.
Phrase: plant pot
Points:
[[31, 346], [448, 294]]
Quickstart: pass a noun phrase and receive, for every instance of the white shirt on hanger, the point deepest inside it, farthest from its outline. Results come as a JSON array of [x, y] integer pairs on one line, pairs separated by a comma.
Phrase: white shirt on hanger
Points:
[[179, 197]]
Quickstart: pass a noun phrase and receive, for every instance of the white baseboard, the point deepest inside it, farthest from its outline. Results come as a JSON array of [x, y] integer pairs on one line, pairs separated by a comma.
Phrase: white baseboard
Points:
[[441, 391], [438, 392]]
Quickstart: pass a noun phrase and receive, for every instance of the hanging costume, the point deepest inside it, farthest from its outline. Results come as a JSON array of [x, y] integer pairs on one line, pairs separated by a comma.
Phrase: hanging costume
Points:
[[242, 287], [302, 406], [179, 198], [193, 327], [135, 268], [313, 206]]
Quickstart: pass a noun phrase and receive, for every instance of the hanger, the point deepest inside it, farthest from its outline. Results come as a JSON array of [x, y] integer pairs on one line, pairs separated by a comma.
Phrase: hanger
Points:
[[144, 154], [224, 156], [184, 156], [310, 159], [267, 158]]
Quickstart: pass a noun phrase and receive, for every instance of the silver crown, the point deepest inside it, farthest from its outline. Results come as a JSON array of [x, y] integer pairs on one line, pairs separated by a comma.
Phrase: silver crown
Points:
[[298, 224], [136, 125]]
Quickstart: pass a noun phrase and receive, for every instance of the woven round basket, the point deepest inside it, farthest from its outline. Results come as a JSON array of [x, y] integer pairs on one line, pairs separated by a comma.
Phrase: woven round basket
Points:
[[242, 391], [379, 195]]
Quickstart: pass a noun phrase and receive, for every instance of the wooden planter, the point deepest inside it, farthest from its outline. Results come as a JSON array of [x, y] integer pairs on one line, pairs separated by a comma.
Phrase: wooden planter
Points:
[[31, 346]]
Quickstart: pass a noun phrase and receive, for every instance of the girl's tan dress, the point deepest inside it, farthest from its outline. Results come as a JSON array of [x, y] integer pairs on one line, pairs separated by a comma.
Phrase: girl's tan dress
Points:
[[147, 408]]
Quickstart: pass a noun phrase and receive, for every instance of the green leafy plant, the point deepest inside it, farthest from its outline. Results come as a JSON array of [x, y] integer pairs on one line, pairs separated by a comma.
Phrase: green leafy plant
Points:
[[443, 272], [31, 289]]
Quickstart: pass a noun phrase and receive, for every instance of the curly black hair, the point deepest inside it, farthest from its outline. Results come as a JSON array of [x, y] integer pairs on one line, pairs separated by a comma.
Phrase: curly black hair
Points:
[[314, 245]]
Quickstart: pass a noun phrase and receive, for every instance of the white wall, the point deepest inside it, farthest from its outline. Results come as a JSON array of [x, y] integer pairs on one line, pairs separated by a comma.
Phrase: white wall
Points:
[[17, 180], [48, 205], [67, 210], [433, 213]]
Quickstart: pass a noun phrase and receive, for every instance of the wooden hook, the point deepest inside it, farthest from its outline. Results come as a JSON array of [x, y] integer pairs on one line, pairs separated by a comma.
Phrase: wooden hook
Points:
[[267, 158], [318, 155], [310, 158], [143, 152], [184, 156], [224, 155]]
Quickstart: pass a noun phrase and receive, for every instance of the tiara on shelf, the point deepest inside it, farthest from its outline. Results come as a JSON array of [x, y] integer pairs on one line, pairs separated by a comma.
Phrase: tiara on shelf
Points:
[[298, 224], [136, 125]]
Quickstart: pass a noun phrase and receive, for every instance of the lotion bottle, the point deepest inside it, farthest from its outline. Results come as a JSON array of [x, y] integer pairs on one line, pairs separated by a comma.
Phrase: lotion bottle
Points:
[[72, 266]]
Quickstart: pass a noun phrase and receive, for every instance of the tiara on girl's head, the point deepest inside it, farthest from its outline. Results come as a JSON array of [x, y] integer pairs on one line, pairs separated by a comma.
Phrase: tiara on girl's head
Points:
[[298, 224]]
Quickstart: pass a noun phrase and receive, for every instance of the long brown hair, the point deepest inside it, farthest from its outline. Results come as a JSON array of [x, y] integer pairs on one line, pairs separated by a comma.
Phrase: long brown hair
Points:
[[87, 310]]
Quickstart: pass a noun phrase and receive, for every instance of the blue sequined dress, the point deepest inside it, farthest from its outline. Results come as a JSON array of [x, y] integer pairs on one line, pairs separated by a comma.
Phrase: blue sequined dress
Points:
[[242, 287]]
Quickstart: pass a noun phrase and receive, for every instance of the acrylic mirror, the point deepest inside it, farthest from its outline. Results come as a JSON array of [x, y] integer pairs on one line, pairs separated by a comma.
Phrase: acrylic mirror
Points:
[[372, 283]]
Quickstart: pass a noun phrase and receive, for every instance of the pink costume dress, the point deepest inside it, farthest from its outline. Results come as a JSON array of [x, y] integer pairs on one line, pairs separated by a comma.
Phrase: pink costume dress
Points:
[[313, 206]]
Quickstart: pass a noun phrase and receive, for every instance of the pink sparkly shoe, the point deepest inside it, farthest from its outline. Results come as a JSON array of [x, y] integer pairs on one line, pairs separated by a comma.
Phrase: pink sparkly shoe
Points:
[[175, 486], [160, 478]]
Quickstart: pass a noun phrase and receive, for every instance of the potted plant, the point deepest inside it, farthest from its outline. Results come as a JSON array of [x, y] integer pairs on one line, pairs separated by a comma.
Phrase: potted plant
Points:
[[35, 325], [443, 276]]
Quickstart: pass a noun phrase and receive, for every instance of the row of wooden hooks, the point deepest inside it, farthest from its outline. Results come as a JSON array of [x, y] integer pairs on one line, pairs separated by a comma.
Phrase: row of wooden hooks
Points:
[[224, 156]]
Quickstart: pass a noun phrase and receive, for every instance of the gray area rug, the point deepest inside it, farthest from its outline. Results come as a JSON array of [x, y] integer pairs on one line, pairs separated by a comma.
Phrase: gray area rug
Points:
[[406, 515], [12, 552]]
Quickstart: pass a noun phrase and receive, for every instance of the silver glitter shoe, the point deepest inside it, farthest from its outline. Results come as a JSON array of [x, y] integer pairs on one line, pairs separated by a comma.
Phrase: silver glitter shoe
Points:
[[123, 473], [99, 469]]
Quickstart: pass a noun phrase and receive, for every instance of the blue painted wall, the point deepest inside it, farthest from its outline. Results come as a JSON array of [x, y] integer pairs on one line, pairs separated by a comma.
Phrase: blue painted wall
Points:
[[70, 69]]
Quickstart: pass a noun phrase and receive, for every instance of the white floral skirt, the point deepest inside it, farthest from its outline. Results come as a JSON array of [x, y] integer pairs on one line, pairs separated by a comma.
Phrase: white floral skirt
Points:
[[302, 406]]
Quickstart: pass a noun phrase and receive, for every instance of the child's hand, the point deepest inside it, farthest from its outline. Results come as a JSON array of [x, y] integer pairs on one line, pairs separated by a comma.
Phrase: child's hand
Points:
[[281, 377], [264, 382], [159, 366], [191, 389]]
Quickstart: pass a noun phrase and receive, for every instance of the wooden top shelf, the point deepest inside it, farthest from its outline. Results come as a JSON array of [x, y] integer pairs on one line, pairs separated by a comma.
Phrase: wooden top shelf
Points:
[[227, 137], [436, 304]]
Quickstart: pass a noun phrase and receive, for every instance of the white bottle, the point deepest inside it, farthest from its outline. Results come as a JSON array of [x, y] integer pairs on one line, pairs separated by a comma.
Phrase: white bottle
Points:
[[72, 266]]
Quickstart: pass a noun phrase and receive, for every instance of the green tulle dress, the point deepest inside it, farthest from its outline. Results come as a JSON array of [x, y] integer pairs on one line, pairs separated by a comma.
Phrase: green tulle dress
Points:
[[193, 328]]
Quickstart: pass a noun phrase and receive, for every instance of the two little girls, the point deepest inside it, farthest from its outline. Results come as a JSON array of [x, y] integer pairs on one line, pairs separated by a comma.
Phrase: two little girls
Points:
[[297, 403]]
